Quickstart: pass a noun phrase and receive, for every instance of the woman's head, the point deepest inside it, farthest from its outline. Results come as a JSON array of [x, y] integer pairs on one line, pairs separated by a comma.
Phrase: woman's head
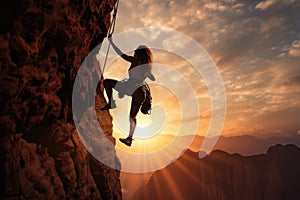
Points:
[[143, 54]]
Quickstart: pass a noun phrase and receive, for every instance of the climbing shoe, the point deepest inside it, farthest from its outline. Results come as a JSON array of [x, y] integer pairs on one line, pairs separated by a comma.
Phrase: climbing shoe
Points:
[[109, 106], [127, 141]]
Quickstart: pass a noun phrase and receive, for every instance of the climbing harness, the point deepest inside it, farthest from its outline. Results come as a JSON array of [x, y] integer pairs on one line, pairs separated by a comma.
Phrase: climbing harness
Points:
[[147, 104]]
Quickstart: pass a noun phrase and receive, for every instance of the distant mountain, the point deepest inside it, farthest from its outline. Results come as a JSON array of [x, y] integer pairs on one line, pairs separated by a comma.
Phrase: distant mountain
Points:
[[295, 139], [274, 175], [244, 144]]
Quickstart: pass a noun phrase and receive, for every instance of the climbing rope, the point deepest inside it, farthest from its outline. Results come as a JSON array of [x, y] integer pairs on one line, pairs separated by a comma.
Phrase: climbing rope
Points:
[[113, 22], [110, 32]]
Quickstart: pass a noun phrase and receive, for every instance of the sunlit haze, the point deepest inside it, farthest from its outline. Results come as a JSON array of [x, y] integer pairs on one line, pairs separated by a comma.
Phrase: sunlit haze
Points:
[[256, 47]]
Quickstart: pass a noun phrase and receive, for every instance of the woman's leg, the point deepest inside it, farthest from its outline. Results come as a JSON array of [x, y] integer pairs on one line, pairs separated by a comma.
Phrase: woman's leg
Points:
[[138, 97], [132, 126], [109, 84]]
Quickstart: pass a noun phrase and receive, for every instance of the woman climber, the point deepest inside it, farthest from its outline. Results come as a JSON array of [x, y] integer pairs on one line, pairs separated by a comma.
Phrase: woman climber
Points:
[[139, 70]]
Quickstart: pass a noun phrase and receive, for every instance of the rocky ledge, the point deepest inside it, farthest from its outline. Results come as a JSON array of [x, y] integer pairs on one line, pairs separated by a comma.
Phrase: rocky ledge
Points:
[[42, 44]]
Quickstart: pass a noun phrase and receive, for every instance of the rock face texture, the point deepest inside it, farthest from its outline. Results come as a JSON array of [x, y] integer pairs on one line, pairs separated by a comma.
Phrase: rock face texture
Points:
[[42, 45], [271, 176]]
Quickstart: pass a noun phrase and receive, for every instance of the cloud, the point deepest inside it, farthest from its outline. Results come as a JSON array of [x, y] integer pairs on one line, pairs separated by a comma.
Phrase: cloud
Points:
[[175, 42], [224, 28], [256, 46], [263, 5], [293, 80], [295, 49], [269, 24], [215, 6], [296, 79], [257, 128]]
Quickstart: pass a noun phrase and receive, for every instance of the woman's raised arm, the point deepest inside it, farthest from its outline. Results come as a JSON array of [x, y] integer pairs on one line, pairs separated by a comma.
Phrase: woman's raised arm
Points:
[[119, 52]]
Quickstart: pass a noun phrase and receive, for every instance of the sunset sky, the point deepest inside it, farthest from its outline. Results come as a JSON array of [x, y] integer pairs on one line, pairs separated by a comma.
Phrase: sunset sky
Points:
[[255, 45]]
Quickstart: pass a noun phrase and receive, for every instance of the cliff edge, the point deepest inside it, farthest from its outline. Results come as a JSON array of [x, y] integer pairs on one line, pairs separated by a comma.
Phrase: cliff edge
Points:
[[42, 44]]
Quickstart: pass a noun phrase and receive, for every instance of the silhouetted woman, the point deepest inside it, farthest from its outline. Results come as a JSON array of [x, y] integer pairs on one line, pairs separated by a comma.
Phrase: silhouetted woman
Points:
[[139, 70]]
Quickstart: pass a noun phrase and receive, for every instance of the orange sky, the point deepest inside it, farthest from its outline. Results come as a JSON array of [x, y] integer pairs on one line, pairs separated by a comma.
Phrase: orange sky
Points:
[[256, 47]]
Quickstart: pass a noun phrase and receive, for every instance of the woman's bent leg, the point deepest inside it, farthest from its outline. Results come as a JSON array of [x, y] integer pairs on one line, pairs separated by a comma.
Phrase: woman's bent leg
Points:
[[109, 84]]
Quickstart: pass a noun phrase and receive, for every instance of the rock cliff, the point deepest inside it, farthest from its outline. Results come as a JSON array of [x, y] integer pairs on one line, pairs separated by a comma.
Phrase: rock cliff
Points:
[[42, 45], [271, 176]]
